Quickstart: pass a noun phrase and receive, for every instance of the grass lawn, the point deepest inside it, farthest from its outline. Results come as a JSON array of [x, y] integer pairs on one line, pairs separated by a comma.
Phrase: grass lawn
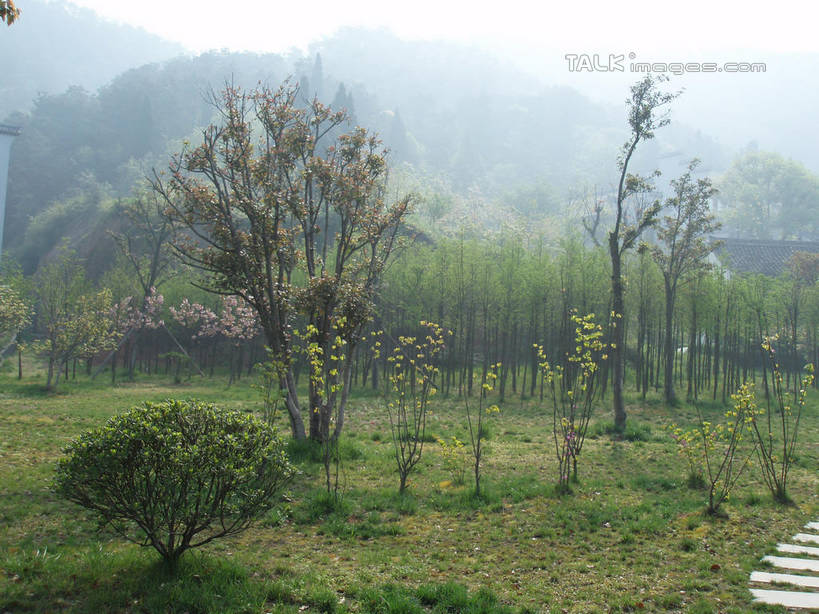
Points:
[[631, 537]]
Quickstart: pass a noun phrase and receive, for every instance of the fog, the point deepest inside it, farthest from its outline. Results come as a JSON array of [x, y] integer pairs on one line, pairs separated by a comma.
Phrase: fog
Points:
[[492, 111]]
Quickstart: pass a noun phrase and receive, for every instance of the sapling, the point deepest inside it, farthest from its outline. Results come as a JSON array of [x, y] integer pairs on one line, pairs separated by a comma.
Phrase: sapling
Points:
[[776, 428], [713, 450], [572, 388], [410, 385], [477, 422]]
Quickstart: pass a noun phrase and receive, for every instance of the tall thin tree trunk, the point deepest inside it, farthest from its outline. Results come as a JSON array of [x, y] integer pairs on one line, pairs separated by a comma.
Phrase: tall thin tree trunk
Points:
[[617, 336]]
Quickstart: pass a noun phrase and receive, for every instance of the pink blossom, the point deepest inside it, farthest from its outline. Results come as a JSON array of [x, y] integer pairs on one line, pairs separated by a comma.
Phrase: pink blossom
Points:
[[236, 321], [128, 317]]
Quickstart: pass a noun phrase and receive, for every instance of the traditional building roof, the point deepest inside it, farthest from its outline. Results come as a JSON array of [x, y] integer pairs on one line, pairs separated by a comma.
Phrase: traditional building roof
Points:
[[9, 130], [757, 256]]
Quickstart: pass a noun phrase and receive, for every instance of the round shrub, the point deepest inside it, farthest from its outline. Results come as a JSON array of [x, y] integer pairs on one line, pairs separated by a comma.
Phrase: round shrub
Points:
[[177, 474]]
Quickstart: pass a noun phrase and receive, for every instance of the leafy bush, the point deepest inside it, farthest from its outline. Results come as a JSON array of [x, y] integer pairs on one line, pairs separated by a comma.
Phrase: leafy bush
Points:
[[454, 455], [175, 475]]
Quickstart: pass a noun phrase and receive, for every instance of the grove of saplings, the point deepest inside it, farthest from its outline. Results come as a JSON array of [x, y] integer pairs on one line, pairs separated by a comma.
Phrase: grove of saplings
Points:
[[499, 297]]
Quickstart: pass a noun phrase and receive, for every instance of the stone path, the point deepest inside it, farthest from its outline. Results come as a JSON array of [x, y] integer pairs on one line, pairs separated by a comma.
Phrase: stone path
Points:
[[792, 590]]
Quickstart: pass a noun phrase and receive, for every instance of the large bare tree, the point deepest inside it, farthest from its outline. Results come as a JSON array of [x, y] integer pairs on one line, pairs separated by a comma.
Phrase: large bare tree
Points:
[[289, 212]]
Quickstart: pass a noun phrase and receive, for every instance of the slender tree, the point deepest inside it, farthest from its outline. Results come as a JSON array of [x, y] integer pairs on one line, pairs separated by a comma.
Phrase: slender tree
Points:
[[645, 115], [145, 242], [75, 321], [682, 250]]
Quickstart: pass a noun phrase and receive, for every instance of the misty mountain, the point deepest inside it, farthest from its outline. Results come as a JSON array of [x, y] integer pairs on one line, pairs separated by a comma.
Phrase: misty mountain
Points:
[[55, 45], [472, 133]]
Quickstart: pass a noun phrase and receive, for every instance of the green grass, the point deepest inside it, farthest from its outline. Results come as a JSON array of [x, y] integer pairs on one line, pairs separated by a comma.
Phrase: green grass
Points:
[[630, 537]]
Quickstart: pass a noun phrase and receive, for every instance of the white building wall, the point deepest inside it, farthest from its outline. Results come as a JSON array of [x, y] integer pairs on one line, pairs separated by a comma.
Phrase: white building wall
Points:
[[5, 153]]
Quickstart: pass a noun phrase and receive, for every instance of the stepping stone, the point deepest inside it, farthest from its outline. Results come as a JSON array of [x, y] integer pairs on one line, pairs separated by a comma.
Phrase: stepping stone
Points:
[[806, 538], [791, 549], [785, 578], [787, 598], [813, 526], [792, 563]]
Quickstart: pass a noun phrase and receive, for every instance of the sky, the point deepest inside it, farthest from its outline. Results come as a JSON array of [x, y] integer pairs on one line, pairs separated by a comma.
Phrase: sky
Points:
[[642, 27]]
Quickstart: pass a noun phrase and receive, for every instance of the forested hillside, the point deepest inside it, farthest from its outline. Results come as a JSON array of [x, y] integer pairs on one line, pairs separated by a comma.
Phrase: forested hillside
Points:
[[475, 137]]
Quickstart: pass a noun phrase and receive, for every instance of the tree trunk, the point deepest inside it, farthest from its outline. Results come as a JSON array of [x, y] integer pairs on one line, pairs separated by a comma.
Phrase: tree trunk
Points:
[[668, 380], [50, 377], [617, 336]]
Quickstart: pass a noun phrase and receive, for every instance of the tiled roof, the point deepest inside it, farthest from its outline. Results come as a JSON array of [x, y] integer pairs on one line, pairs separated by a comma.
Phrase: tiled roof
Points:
[[765, 257], [9, 130]]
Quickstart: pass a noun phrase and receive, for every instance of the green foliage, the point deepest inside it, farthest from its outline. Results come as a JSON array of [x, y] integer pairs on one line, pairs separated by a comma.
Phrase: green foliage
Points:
[[453, 597], [573, 388], [454, 454], [326, 357], [178, 360], [145, 245], [411, 383], [175, 475], [310, 451], [319, 504], [372, 526], [533, 545], [104, 581], [15, 312], [64, 220], [75, 322], [689, 446], [712, 451], [477, 422], [683, 230], [444, 598], [635, 431], [684, 247], [270, 373], [769, 197]]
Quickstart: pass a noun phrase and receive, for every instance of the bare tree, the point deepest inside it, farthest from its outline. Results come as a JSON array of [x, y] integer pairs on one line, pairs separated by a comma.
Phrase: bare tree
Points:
[[287, 213], [146, 242], [594, 206]]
